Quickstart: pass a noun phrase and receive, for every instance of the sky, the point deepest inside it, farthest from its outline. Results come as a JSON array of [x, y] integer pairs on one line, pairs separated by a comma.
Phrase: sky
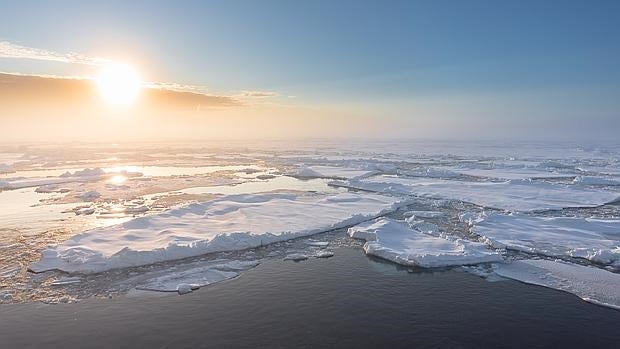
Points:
[[531, 70]]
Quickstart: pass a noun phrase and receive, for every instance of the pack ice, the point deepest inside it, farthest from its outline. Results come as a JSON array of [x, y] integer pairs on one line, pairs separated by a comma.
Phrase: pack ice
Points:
[[227, 223], [395, 241], [513, 195], [597, 240]]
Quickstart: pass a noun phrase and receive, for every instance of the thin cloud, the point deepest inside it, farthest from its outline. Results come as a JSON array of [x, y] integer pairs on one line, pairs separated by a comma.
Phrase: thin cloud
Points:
[[25, 91], [187, 93], [11, 50], [257, 94]]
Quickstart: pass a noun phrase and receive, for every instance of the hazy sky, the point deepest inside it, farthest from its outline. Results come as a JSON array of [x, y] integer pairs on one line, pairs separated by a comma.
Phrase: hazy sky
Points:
[[430, 69]]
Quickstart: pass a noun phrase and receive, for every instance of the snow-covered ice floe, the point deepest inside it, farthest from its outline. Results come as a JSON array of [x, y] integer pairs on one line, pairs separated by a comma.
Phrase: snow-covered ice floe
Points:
[[511, 173], [86, 175], [590, 284], [395, 241], [196, 277], [593, 180], [227, 223], [597, 240], [513, 195], [332, 172]]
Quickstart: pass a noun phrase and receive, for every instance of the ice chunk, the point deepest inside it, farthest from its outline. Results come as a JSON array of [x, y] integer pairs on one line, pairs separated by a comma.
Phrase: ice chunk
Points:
[[185, 288], [87, 172], [396, 242], [228, 223], [50, 188], [324, 254], [66, 280], [514, 195], [594, 239], [91, 195], [307, 172], [590, 284], [296, 257], [136, 209], [84, 210], [321, 244]]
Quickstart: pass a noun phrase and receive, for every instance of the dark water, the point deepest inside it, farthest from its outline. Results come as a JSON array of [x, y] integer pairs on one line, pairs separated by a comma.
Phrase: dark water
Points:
[[347, 301]]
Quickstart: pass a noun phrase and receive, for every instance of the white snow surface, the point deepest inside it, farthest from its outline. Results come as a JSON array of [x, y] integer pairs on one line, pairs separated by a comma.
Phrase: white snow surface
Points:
[[513, 195], [590, 284], [597, 240], [227, 223], [394, 241]]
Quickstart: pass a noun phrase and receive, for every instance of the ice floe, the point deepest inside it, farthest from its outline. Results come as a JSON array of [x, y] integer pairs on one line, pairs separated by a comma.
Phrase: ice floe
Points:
[[227, 223], [324, 254], [322, 244], [332, 172], [511, 173], [296, 257], [87, 172], [590, 284], [513, 195], [307, 172], [592, 180], [395, 241], [597, 240], [189, 279]]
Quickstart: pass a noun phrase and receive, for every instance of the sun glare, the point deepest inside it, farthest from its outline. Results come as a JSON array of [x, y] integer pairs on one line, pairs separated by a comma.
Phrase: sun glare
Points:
[[118, 84]]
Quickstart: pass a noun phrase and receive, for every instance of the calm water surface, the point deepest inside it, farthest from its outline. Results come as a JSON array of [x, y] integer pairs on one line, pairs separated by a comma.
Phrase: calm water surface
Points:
[[348, 301]]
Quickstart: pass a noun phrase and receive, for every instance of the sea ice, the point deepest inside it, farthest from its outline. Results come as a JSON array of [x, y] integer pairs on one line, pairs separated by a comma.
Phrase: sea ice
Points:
[[321, 244], [597, 240], [10, 271], [590, 284], [397, 242], [511, 173], [592, 180], [324, 254], [332, 172], [307, 172], [91, 195], [296, 257], [195, 277], [514, 195], [234, 222], [87, 172], [425, 214], [4, 168], [66, 280]]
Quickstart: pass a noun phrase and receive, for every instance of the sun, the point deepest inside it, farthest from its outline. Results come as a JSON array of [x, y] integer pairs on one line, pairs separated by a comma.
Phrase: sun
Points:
[[118, 84]]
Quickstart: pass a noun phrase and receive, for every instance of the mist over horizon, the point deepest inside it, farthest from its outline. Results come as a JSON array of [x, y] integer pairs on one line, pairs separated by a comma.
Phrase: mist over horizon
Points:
[[477, 70]]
